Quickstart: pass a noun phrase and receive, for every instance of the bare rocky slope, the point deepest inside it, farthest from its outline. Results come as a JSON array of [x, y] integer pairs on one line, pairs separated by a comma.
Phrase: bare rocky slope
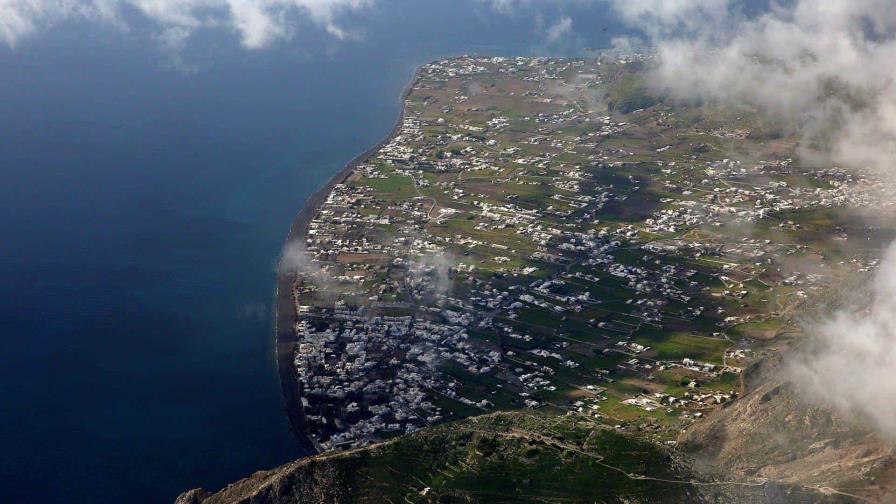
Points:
[[773, 432]]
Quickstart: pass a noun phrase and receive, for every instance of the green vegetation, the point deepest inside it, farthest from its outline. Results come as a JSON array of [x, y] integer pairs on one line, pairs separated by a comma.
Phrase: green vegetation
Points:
[[392, 187], [629, 92], [677, 346], [493, 459]]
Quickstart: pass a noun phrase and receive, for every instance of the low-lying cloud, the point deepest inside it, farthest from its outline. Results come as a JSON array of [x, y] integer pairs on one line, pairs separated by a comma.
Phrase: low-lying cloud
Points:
[[297, 260], [560, 29], [258, 23], [851, 363], [432, 270], [825, 71]]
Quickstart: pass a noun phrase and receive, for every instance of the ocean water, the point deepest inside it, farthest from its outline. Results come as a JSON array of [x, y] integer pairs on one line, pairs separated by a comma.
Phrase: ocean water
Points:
[[144, 203]]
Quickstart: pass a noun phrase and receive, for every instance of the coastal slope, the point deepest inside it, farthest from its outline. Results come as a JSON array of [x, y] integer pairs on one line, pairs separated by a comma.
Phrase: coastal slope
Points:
[[502, 457]]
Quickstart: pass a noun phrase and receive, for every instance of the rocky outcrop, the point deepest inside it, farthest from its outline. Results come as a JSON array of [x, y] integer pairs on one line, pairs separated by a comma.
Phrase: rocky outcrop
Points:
[[314, 480], [773, 432], [194, 496]]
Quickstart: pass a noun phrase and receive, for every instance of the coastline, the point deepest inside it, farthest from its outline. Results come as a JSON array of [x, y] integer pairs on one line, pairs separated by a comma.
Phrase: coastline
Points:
[[285, 308]]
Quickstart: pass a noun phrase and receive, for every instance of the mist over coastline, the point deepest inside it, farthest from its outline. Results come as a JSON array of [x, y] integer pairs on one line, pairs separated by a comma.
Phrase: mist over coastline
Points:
[[825, 72]]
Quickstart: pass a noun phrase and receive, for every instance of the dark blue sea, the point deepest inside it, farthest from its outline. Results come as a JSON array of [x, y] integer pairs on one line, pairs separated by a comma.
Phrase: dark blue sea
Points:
[[144, 198]]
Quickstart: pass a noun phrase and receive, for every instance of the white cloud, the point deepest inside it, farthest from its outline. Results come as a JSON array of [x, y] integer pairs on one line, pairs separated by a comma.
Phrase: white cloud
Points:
[[514, 6], [852, 365], [506, 6], [827, 71], [786, 61], [258, 23], [21, 18], [560, 29], [658, 17]]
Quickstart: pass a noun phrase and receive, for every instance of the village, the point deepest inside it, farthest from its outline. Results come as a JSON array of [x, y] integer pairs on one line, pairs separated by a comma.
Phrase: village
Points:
[[542, 233]]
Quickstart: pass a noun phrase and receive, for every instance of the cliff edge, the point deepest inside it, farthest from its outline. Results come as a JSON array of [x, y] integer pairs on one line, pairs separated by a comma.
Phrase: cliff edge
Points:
[[502, 457]]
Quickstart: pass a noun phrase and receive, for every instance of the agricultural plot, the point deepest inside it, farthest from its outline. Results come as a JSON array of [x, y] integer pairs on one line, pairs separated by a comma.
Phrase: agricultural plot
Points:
[[545, 234]]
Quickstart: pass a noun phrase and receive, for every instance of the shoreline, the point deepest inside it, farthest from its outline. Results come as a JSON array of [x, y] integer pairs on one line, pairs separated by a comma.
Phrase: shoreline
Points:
[[285, 308]]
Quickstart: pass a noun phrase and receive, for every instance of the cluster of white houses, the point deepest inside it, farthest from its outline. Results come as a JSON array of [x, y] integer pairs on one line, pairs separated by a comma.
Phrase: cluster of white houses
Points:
[[443, 276]]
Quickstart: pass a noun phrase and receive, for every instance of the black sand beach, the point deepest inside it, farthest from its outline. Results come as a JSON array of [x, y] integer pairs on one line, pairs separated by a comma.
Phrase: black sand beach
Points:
[[285, 316]]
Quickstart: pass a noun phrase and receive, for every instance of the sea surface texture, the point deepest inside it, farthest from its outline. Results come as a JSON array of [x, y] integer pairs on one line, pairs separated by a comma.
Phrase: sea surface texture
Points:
[[145, 199]]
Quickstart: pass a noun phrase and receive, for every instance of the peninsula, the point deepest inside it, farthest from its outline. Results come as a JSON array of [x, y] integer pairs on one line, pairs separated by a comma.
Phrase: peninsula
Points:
[[549, 261]]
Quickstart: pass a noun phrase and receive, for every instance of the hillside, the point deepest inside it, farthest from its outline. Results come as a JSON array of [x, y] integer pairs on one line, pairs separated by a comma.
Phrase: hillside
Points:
[[502, 457], [772, 432]]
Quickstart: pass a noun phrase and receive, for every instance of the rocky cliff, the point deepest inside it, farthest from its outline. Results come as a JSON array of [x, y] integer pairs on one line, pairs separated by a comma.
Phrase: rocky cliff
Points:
[[773, 432]]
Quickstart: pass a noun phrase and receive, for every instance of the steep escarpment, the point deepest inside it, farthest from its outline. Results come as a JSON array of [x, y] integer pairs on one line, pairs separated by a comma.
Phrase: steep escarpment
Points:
[[774, 432], [313, 480]]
